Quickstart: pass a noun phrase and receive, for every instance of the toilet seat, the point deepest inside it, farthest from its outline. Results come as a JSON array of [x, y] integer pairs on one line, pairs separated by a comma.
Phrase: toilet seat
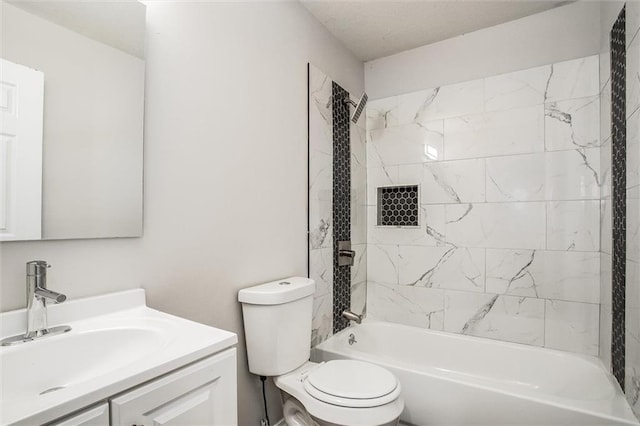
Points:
[[351, 383], [293, 384]]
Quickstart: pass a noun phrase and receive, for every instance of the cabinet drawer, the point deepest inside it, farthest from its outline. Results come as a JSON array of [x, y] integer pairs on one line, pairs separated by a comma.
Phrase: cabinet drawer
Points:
[[203, 393], [95, 416]]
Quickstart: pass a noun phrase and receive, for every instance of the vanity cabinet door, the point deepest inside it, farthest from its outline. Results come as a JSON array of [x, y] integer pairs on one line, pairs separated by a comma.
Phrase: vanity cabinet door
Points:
[[204, 393], [95, 416]]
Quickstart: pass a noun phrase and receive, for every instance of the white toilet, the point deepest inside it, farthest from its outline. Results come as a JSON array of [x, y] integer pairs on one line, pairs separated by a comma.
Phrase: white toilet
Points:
[[277, 324]]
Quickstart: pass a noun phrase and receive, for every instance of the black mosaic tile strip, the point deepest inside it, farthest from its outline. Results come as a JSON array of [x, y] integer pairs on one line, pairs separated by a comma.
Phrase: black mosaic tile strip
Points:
[[341, 204], [618, 190], [398, 206]]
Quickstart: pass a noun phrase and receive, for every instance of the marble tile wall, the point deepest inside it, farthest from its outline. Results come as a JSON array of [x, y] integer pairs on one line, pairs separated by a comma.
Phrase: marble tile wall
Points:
[[632, 320], [321, 202], [606, 236], [321, 206], [510, 175]]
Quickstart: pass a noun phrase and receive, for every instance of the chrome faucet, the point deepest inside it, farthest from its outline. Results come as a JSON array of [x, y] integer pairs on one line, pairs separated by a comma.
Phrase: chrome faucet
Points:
[[351, 316], [37, 297]]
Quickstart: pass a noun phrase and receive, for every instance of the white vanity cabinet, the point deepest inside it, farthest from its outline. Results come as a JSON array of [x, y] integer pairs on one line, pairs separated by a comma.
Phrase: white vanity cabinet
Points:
[[203, 393]]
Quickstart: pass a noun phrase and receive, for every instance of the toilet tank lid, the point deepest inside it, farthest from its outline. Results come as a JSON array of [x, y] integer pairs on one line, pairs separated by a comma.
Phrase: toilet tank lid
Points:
[[277, 292]]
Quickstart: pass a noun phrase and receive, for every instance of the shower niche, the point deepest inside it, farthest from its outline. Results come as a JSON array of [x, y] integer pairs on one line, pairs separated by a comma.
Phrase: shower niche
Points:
[[398, 206]]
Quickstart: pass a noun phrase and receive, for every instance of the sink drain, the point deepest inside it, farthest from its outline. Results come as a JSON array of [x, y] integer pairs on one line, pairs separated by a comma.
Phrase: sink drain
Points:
[[57, 388]]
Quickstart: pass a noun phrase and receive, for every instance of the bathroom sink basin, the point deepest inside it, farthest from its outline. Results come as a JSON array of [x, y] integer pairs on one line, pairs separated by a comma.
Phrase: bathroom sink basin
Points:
[[52, 364], [125, 344]]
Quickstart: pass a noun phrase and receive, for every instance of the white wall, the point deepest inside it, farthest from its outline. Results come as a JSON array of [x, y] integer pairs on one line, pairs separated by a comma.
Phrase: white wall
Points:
[[225, 169], [559, 34]]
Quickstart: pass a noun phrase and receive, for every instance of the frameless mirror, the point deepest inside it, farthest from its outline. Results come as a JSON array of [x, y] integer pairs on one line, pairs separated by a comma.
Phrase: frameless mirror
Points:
[[72, 105]]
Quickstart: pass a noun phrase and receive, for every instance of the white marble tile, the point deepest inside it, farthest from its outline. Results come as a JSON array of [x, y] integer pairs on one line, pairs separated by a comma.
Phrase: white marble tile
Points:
[[359, 298], [605, 112], [426, 105], [378, 177], [407, 144], [359, 268], [605, 279], [320, 159], [633, 76], [572, 326], [633, 229], [632, 374], [445, 182], [429, 233], [320, 219], [573, 225], [605, 170], [633, 151], [496, 225], [515, 319], [322, 319], [516, 178], [358, 186], [359, 213], [573, 123], [632, 21], [604, 340], [382, 264], [606, 238], [320, 111], [321, 270], [434, 224], [515, 131], [453, 100], [573, 79], [572, 175], [442, 267], [396, 110], [415, 306], [516, 89], [571, 276], [604, 59], [358, 138], [605, 319], [632, 298]]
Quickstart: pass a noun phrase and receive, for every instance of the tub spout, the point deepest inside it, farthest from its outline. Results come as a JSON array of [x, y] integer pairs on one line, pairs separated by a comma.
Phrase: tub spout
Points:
[[352, 316]]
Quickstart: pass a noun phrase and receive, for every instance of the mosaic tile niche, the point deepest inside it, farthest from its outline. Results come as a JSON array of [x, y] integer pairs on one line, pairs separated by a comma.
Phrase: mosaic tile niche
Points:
[[508, 169]]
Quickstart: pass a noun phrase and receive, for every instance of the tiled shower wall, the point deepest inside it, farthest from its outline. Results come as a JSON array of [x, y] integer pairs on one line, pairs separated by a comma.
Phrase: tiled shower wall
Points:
[[632, 297], [509, 174], [321, 206]]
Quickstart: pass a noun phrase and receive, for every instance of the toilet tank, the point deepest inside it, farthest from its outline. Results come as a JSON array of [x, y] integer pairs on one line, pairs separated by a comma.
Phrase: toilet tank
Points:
[[277, 324]]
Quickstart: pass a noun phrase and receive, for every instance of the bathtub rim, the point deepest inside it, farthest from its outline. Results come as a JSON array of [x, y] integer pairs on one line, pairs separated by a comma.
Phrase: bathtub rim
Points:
[[331, 346]]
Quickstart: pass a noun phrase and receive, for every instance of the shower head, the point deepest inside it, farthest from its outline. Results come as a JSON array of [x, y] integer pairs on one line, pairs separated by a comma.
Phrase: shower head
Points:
[[359, 107]]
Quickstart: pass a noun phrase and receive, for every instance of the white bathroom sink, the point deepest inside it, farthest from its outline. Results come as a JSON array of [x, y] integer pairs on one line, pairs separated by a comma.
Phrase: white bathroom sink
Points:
[[115, 343]]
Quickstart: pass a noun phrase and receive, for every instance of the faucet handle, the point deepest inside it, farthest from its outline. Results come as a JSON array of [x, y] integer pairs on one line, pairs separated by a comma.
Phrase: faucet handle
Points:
[[37, 267]]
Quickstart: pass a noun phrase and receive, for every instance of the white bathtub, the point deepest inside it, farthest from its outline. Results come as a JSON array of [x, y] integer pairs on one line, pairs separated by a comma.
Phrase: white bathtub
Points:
[[450, 379]]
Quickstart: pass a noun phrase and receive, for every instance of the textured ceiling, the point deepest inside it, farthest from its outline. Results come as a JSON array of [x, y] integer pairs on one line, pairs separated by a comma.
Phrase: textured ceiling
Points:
[[375, 28]]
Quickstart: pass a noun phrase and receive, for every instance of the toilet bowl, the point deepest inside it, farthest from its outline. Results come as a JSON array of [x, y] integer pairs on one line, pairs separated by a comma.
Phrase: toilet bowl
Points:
[[277, 323], [343, 392]]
